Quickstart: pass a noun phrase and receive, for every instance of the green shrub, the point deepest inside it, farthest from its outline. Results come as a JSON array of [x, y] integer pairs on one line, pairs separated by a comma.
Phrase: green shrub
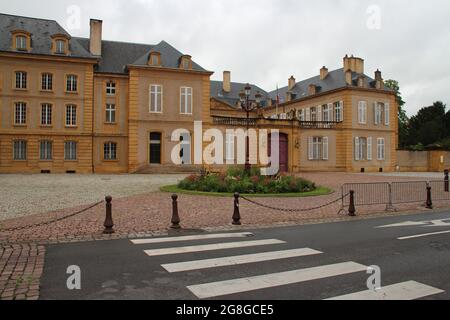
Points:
[[237, 180]]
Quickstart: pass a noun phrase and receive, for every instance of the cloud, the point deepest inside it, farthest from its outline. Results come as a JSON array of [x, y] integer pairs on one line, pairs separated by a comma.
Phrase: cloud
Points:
[[267, 41]]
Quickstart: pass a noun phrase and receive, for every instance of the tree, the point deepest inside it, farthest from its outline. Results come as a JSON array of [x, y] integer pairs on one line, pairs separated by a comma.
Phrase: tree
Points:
[[429, 125], [403, 121]]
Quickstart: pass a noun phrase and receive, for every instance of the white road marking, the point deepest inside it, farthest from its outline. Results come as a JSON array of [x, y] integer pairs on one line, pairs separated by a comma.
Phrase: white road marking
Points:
[[236, 260], [211, 247], [227, 287], [423, 235], [427, 223], [191, 238], [409, 290]]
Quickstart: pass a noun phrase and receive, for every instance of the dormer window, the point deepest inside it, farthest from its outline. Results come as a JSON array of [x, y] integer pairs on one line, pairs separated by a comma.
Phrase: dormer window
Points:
[[154, 59], [21, 43], [185, 62], [21, 40], [60, 44]]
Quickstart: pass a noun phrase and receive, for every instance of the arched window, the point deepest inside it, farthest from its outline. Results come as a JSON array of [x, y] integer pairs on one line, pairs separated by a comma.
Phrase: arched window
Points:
[[21, 40]]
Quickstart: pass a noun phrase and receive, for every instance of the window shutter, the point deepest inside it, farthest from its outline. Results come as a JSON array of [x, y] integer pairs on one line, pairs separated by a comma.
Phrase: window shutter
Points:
[[310, 148], [360, 107], [356, 148], [369, 148], [386, 114], [319, 113], [308, 114], [341, 104], [375, 112], [325, 148]]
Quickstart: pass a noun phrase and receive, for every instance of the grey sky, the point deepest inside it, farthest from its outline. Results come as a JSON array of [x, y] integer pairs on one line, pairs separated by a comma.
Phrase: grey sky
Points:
[[267, 41]]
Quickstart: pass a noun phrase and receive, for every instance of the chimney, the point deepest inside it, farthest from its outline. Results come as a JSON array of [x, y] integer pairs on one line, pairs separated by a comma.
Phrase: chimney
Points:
[[95, 42], [378, 80], [291, 83], [312, 89], [361, 81], [288, 96], [354, 64], [227, 81], [323, 73], [348, 77]]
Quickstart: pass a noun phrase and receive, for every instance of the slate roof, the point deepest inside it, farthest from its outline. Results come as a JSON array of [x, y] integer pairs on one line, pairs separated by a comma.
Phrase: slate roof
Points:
[[232, 97], [334, 80], [117, 55], [41, 31]]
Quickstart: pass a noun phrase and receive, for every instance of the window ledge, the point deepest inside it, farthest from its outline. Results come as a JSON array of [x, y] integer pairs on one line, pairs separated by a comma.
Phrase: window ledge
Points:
[[71, 92], [46, 91], [19, 125], [20, 89], [46, 126], [110, 123], [71, 127], [111, 161]]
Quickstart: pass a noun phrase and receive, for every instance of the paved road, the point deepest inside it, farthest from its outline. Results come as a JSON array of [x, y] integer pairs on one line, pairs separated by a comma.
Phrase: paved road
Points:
[[305, 262]]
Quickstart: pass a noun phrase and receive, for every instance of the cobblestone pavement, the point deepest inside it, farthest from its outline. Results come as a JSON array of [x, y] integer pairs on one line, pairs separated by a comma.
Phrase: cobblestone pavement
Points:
[[147, 215], [23, 195]]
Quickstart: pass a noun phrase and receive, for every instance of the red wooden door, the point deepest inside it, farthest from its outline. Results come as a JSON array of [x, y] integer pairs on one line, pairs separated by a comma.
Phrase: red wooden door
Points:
[[283, 151]]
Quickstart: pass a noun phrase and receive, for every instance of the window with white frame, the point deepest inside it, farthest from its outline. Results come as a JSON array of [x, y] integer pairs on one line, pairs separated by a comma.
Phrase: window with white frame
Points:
[[186, 100], [110, 151], [71, 83], [47, 82], [326, 110], [363, 148], [156, 100], [362, 112], [46, 114], [110, 113], [381, 149], [110, 88], [185, 148], [229, 147], [20, 113], [318, 148], [21, 80], [46, 150], [21, 43], [301, 115], [71, 115], [70, 150], [339, 111], [313, 114], [20, 150], [378, 112], [60, 46]]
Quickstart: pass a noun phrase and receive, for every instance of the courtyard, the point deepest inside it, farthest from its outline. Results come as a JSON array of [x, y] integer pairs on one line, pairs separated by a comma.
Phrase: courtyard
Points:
[[45, 207]]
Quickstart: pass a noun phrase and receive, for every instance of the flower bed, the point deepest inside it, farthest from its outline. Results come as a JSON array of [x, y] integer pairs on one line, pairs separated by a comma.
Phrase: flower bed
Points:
[[236, 179]]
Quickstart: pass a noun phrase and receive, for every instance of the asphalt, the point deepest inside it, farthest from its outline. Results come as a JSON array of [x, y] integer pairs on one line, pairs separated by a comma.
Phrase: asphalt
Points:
[[121, 270]]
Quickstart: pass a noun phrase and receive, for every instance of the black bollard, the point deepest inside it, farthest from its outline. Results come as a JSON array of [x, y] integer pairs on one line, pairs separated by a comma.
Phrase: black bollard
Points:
[[236, 214], [109, 223], [351, 207], [429, 203], [175, 217], [446, 180]]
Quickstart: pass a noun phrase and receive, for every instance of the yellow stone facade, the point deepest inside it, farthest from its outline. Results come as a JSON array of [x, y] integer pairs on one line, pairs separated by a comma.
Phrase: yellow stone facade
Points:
[[133, 121]]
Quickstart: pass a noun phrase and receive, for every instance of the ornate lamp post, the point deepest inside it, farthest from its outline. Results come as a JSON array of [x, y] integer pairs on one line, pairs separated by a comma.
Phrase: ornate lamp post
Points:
[[248, 106]]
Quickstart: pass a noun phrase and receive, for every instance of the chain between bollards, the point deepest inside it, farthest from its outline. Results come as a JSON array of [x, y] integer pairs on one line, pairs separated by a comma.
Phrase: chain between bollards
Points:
[[109, 223], [236, 213], [351, 207], [175, 216]]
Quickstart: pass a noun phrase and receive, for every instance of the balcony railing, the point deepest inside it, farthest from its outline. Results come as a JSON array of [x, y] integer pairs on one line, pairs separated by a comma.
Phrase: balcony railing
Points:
[[240, 122], [318, 124]]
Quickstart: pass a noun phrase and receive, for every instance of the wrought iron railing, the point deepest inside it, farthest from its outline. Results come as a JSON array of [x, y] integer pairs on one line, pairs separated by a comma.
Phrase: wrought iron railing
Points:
[[318, 124], [242, 122]]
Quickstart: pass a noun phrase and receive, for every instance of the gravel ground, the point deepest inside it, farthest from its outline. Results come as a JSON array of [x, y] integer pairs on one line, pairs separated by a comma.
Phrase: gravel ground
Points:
[[23, 195]]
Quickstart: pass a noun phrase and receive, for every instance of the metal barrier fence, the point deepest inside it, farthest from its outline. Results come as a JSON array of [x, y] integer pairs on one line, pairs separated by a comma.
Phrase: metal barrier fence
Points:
[[367, 193], [439, 190], [409, 191]]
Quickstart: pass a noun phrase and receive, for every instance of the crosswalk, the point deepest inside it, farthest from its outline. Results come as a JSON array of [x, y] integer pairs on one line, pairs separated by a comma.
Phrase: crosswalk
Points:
[[408, 290]]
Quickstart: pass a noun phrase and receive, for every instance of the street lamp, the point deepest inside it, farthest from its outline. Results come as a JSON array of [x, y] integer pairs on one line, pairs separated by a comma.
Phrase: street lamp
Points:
[[248, 106]]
